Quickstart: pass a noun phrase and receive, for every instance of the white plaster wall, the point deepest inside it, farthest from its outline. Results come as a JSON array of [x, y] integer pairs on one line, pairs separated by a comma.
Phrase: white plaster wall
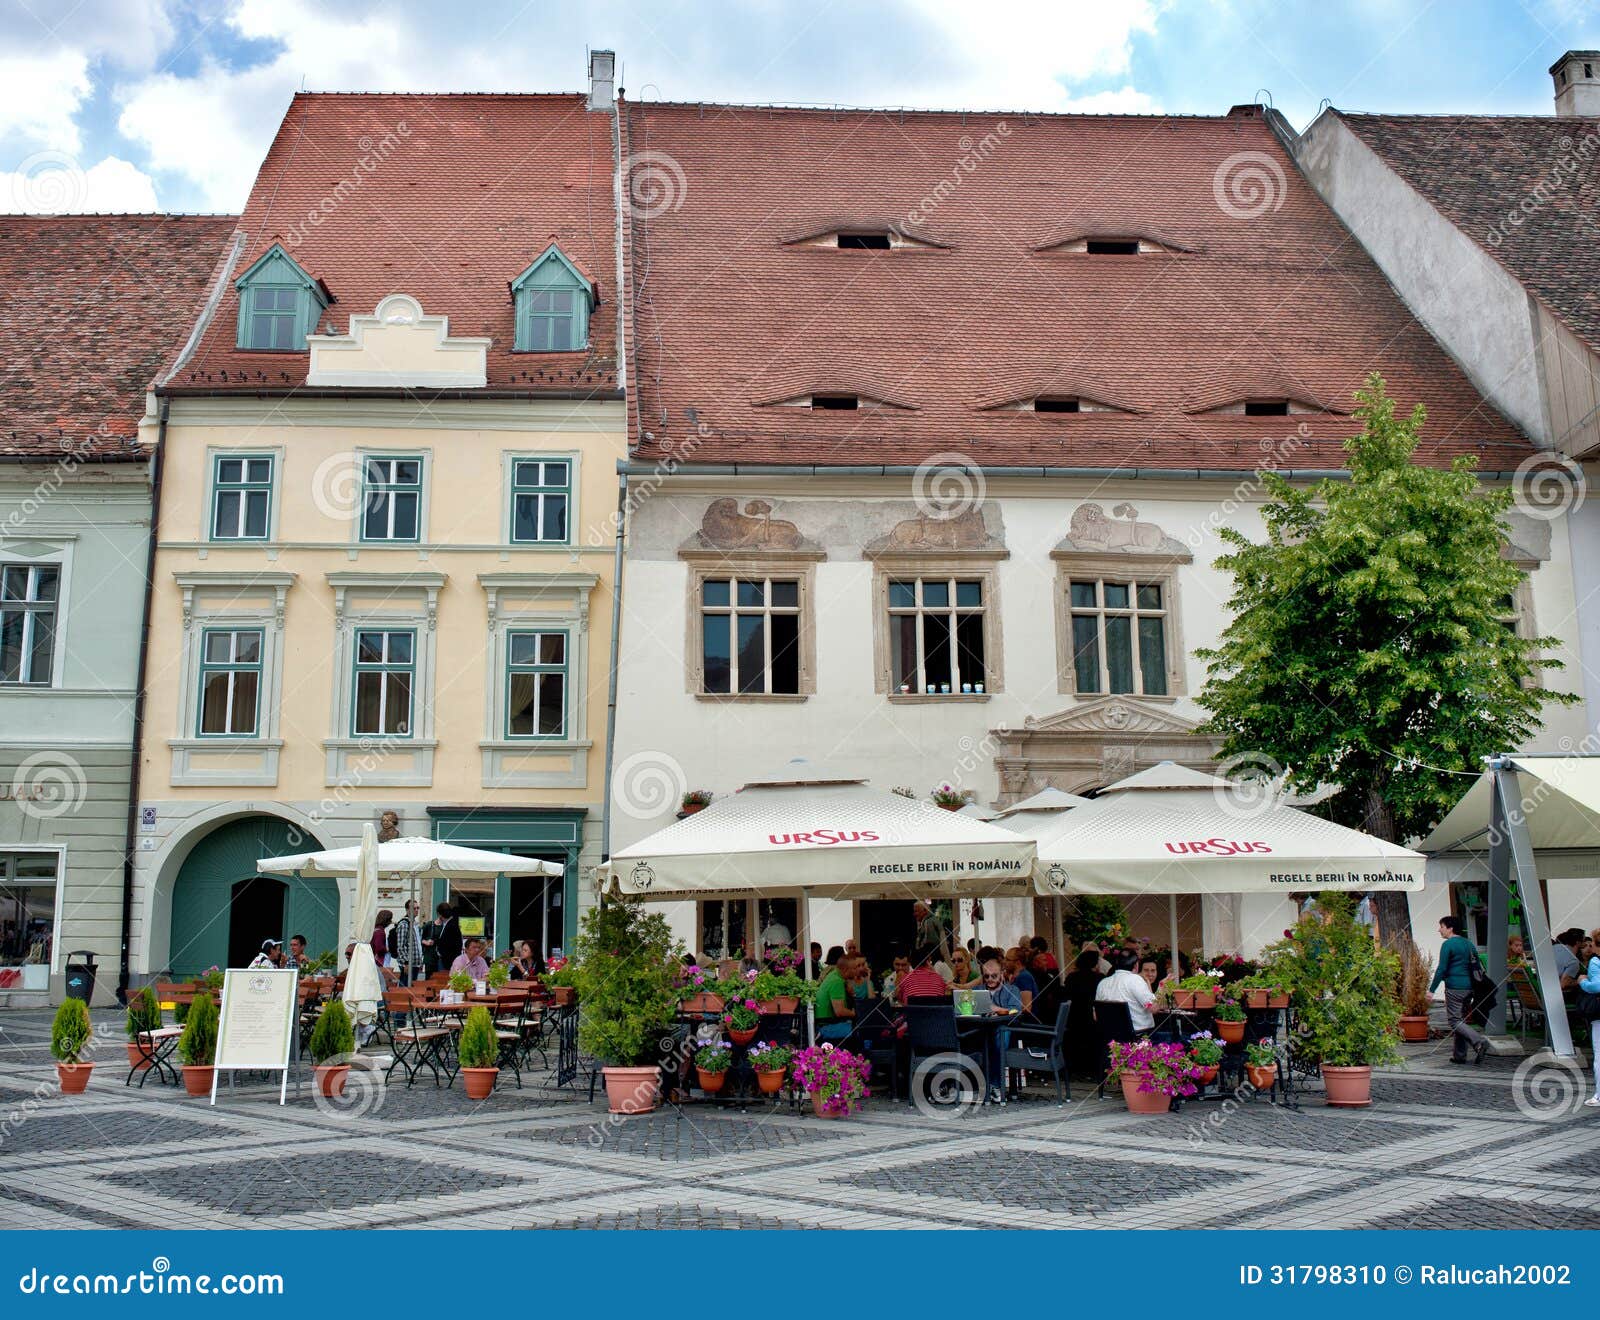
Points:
[[1477, 312]]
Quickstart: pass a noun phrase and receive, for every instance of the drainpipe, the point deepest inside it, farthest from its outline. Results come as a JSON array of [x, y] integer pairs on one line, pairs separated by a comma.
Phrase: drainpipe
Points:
[[131, 840], [611, 679]]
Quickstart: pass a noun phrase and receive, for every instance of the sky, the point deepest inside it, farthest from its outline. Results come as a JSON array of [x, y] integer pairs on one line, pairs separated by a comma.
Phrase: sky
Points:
[[139, 105]]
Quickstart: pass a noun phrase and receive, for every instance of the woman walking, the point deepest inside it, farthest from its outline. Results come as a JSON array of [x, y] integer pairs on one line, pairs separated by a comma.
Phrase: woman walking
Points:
[[1590, 985], [1454, 972]]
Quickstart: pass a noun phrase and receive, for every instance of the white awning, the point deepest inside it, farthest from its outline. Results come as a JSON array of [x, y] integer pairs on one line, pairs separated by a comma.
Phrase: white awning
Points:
[[1046, 799], [1560, 804], [413, 857], [833, 838], [1170, 830]]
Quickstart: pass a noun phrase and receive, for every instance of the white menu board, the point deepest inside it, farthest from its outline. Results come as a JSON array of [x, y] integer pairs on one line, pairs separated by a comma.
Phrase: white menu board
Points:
[[256, 1030]]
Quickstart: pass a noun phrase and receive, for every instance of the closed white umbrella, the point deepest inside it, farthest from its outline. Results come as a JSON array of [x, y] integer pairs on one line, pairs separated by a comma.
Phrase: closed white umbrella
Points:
[[363, 982]]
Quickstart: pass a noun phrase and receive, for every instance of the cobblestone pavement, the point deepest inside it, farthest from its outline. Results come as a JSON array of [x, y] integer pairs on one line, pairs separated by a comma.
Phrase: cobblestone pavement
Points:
[[1487, 1147]]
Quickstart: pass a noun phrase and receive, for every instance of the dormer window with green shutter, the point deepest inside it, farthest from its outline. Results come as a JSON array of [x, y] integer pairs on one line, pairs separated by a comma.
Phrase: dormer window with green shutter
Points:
[[553, 299], [279, 304]]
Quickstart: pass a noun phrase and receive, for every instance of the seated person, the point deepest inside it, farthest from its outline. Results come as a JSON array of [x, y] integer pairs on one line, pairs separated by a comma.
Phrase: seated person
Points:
[[836, 1001], [1018, 975], [1002, 994], [1568, 968], [902, 965], [922, 981], [470, 960], [963, 976], [525, 964], [1126, 986], [1041, 962]]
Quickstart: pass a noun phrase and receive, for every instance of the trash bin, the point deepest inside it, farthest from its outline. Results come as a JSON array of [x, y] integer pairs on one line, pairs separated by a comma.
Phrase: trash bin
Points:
[[80, 975]]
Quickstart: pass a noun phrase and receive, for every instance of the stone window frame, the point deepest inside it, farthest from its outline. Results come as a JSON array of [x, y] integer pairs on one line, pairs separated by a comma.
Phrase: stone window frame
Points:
[[214, 600], [983, 565], [800, 565], [1151, 569]]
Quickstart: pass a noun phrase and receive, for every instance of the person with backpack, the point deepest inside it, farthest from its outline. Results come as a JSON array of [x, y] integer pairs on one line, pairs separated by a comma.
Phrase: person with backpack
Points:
[[1589, 1003], [1456, 958]]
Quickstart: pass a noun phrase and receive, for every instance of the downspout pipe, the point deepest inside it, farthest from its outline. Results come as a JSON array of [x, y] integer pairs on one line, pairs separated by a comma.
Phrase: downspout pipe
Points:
[[611, 676], [131, 838]]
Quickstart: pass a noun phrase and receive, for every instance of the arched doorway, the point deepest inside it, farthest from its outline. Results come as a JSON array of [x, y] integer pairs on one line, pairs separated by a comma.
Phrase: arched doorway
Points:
[[222, 910]]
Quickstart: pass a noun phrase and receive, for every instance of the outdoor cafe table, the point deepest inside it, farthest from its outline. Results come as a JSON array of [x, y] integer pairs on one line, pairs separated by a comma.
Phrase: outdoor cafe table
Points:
[[987, 1023]]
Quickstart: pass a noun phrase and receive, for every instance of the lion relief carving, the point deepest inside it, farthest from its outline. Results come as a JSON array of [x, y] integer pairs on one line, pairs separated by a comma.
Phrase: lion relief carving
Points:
[[724, 527], [1092, 529]]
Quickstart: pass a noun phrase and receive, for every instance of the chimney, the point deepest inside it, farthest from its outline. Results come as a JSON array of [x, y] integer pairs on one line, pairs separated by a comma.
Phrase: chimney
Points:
[[1577, 79], [602, 79]]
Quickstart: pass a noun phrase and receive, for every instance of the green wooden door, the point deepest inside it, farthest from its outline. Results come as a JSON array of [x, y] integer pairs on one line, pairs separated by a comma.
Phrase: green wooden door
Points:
[[202, 896]]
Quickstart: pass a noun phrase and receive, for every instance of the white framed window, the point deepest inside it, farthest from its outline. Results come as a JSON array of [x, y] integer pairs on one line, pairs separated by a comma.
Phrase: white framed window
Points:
[[938, 635], [391, 497], [29, 909], [30, 604], [230, 682], [241, 496]]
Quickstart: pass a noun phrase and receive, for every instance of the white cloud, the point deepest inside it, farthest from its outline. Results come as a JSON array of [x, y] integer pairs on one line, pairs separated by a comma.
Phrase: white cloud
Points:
[[51, 183], [40, 95]]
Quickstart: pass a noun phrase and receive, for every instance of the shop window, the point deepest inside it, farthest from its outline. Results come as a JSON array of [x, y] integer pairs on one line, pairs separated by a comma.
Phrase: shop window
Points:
[[28, 895]]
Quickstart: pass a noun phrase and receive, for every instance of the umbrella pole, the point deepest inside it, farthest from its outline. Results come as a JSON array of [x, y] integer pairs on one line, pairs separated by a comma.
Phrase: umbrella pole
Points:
[[805, 940], [1175, 968]]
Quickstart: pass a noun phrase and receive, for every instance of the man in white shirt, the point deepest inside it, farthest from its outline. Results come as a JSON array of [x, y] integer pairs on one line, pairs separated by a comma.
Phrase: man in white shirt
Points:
[[1126, 986], [271, 955]]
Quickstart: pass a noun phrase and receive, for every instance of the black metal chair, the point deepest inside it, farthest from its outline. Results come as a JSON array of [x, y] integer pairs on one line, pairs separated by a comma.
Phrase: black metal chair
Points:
[[877, 1038], [1115, 1024], [931, 1035], [1043, 1049]]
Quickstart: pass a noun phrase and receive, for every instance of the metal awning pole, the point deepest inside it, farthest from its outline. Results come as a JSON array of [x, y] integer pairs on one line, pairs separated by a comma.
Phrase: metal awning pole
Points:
[[805, 939], [1175, 967]]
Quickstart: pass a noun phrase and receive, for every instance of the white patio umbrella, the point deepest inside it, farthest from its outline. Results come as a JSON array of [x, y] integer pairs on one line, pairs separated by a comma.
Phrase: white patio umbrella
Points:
[[1171, 830], [363, 982], [1045, 801]]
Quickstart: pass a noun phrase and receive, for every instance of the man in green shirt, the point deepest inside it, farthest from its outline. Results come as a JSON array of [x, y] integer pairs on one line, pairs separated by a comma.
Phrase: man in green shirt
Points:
[[835, 1002], [1455, 974]]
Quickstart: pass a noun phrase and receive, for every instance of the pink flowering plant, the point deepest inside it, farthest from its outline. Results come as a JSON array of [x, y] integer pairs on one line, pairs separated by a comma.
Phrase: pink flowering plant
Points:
[[741, 1015], [713, 1058], [1205, 1049], [1164, 1069], [769, 1056], [835, 1077], [946, 796]]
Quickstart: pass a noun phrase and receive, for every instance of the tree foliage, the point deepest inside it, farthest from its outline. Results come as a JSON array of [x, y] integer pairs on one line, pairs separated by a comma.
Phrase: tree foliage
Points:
[[627, 970], [1368, 650]]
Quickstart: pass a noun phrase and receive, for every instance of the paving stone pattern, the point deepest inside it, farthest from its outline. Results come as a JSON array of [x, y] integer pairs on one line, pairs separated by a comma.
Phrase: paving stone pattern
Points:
[[1442, 1147]]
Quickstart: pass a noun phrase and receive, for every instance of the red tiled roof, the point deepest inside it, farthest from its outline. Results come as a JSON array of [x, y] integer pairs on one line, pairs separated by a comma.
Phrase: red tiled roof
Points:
[[447, 198], [728, 316], [90, 307], [1480, 170]]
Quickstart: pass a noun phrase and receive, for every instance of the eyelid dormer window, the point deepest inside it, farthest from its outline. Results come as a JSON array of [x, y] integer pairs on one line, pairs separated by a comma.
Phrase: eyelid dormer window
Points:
[[553, 300], [279, 304]]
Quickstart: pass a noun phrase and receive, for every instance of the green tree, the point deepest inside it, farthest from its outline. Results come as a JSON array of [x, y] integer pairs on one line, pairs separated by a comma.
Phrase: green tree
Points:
[[1368, 650]]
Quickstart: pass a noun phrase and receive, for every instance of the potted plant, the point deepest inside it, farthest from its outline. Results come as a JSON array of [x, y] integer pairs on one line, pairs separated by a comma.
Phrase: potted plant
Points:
[[562, 979], [770, 1060], [197, 1047], [1206, 1051], [1261, 1064], [333, 1041], [1416, 998], [1152, 1074], [742, 1020], [460, 983], [696, 799], [144, 1016], [627, 974], [499, 976], [698, 991], [211, 979], [69, 1036], [951, 799], [1342, 986], [711, 1063], [1230, 1019], [835, 1079], [478, 1049], [1197, 991]]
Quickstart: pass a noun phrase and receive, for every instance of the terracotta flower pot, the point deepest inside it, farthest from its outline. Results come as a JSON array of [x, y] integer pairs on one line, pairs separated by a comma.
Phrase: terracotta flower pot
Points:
[[1232, 1032], [742, 1037], [564, 993], [816, 1106], [1278, 1001], [770, 1082], [330, 1079], [1255, 998], [786, 1003], [74, 1077], [692, 808], [1183, 998], [711, 1082], [1261, 1077], [197, 1078], [703, 1003], [479, 1082], [140, 1062], [1348, 1088], [1414, 1028], [1205, 999], [1207, 1076], [633, 1090], [1143, 1102]]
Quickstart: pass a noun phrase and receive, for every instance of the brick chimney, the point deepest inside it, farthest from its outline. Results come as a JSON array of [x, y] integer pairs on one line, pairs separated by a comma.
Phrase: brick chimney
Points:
[[1577, 79], [602, 79]]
